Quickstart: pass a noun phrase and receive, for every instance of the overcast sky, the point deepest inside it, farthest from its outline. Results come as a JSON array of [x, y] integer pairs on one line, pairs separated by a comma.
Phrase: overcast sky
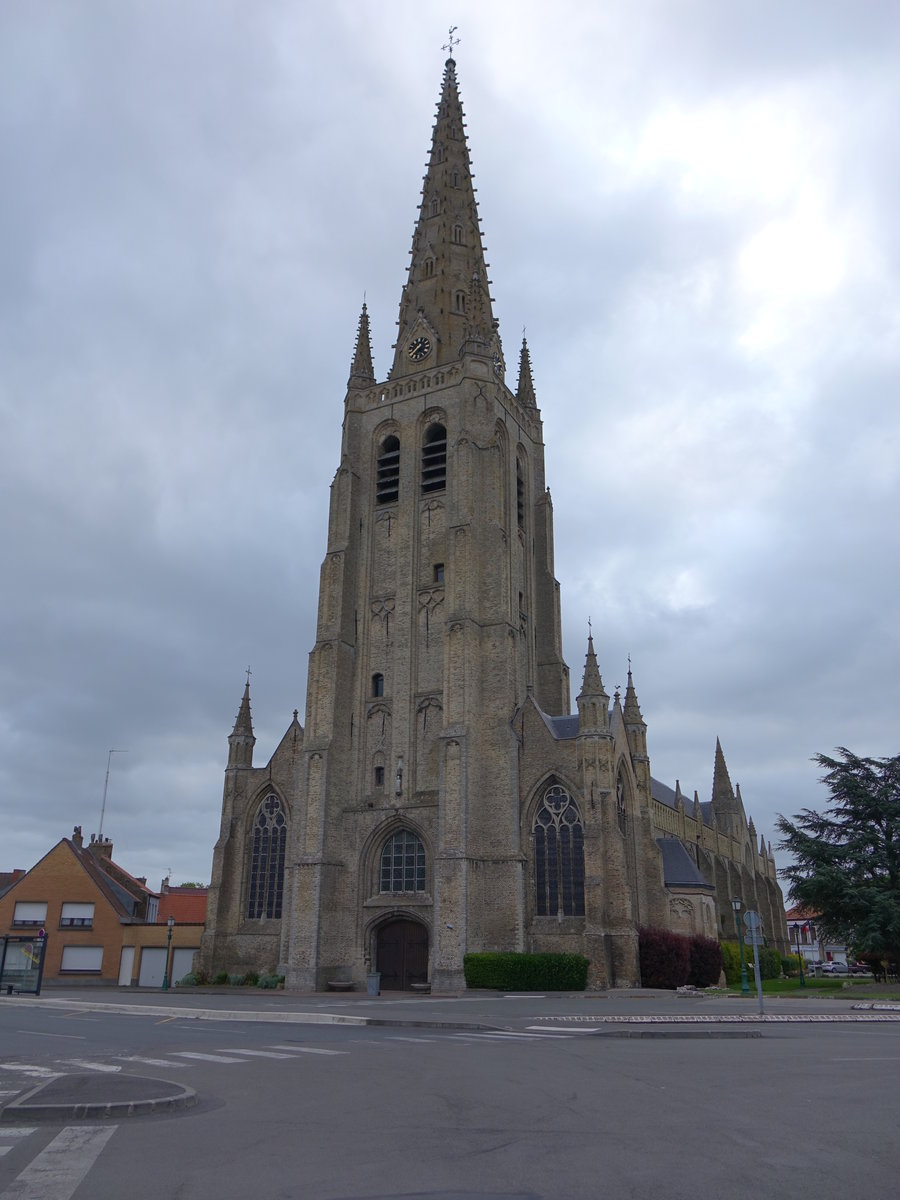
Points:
[[691, 206]]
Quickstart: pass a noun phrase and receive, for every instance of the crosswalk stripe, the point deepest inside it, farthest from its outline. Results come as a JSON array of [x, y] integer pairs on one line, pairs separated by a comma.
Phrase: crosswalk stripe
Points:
[[61, 1166], [151, 1062], [205, 1058], [89, 1065], [4, 1150], [258, 1053], [392, 1038], [28, 1069], [14, 1131], [315, 1050]]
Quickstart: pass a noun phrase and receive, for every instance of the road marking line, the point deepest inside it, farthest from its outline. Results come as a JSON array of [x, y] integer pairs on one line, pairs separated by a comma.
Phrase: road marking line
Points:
[[61, 1166], [14, 1131], [4, 1150], [204, 1058], [408, 1039], [257, 1053], [78, 1037], [89, 1065], [151, 1062], [560, 1029]]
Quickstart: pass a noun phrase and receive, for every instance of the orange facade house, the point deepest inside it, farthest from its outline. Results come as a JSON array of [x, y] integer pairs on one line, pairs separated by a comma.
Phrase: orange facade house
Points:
[[102, 924]]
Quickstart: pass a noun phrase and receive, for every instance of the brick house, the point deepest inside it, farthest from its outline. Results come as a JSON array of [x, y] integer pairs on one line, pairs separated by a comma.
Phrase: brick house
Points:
[[103, 925]]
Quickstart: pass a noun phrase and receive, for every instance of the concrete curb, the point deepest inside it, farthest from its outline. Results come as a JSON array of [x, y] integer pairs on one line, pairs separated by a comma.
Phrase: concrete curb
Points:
[[736, 1019], [30, 1107]]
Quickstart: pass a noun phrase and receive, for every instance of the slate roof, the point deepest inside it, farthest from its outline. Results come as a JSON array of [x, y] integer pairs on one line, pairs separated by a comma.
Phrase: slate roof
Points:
[[679, 869]]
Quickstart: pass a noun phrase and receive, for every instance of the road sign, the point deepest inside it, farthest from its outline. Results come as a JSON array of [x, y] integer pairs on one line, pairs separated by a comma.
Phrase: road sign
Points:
[[754, 937], [752, 919]]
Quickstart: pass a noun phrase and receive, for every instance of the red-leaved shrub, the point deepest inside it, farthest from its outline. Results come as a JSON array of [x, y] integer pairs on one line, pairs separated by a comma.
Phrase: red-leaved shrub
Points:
[[665, 958], [706, 961]]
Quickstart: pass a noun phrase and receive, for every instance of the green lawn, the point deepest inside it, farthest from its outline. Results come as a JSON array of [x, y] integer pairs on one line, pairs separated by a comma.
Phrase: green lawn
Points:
[[791, 987]]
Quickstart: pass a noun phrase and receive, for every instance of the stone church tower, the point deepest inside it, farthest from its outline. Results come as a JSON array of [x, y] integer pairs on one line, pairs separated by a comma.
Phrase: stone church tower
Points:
[[440, 798]]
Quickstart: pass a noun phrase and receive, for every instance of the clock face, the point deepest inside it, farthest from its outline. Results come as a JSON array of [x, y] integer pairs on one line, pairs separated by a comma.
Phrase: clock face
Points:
[[419, 348]]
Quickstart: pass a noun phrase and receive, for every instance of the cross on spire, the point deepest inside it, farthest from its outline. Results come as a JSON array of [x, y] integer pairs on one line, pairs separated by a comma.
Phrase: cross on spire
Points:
[[249, 673], [451, 40]]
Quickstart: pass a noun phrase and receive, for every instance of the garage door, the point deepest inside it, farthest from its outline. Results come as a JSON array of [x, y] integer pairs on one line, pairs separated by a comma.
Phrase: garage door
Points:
[[182, 961], [153, 963]]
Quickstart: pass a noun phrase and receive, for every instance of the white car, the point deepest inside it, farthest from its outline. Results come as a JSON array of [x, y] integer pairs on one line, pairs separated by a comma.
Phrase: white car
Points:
[[835, 968]]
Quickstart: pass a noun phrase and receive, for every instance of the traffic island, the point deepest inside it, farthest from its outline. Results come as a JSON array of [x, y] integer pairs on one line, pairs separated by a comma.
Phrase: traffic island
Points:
[[92, 1096]]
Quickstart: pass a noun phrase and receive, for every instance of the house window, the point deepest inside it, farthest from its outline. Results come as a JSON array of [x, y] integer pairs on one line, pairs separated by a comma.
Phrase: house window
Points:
[[558, 856], [403, 863], [86, 960], [267, 859], [28, 912], [388, 471], [434, 459], [76, 916], [377, 684]]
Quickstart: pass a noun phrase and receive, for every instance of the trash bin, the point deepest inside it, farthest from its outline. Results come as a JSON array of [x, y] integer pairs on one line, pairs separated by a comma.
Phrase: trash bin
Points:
[[373, 983]]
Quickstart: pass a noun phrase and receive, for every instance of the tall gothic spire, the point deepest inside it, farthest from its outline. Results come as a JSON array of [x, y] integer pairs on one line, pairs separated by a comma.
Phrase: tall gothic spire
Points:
[[525, 388], [362, 373], [445, 308]]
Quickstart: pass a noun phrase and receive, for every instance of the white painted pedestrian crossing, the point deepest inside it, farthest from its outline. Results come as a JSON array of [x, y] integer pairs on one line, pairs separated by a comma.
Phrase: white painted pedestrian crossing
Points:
[[14, 1131], [151, 1062], [59, 1169], [259, 1053], [317, 1050], [219, 1058], [29, 1069], [88, 1064]]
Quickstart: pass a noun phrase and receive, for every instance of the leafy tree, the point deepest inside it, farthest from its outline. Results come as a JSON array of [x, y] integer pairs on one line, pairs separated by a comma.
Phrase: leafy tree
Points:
[[847, 859]]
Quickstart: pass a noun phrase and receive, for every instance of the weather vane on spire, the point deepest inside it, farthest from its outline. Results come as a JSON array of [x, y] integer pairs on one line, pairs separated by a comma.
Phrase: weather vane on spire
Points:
[[451, 40]]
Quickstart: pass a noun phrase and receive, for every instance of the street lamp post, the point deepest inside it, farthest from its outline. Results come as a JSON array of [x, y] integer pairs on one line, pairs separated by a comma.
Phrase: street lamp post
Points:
[[796, 929], [171, 924], [745, 985]]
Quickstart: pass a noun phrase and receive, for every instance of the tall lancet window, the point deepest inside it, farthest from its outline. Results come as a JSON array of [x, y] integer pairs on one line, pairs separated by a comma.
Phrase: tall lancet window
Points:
[[267, 859], [434, 459], [558, 856], [387, 486]]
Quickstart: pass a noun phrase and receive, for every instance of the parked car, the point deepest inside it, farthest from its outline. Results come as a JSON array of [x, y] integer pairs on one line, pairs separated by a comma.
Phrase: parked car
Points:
[[835, 968], [860, 968]]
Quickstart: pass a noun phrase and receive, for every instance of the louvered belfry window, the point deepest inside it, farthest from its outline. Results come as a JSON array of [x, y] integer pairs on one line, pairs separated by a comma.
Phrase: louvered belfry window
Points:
[[434, 459], [387, 487], [267, 859], [558, 856]]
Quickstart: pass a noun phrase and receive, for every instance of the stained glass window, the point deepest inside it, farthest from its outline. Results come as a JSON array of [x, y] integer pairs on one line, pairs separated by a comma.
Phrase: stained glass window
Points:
[[267, 859], [403, 863], [559, 856]]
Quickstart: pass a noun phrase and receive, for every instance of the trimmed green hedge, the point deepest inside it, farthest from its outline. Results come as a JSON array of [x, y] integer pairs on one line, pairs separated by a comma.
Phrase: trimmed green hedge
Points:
[[509, 972]]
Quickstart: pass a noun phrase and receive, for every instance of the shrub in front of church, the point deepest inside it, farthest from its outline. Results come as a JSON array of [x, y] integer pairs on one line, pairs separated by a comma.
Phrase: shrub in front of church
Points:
[[706, 961], [510, 972], [665, 958], [769, 962]]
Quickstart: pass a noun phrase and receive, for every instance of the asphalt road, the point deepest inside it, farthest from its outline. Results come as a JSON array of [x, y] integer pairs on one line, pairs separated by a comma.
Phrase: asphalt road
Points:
[[349, 1112]]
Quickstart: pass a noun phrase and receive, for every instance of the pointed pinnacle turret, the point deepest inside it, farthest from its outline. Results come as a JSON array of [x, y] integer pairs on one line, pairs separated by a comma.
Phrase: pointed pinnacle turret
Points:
[[632, 708], [593, 701], [362, 373], [525, 393], [445, 308], [242, 741], [722, 790]]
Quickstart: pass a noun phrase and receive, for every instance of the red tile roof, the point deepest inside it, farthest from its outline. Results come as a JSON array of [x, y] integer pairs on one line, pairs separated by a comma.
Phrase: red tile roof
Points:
[[187, 906]]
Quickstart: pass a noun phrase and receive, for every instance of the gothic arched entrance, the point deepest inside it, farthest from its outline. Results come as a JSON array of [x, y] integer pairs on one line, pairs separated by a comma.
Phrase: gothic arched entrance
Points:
[[401, 954]]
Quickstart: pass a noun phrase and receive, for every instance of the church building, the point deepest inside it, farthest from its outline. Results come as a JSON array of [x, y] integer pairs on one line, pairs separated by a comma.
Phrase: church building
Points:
[[440, 797]]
